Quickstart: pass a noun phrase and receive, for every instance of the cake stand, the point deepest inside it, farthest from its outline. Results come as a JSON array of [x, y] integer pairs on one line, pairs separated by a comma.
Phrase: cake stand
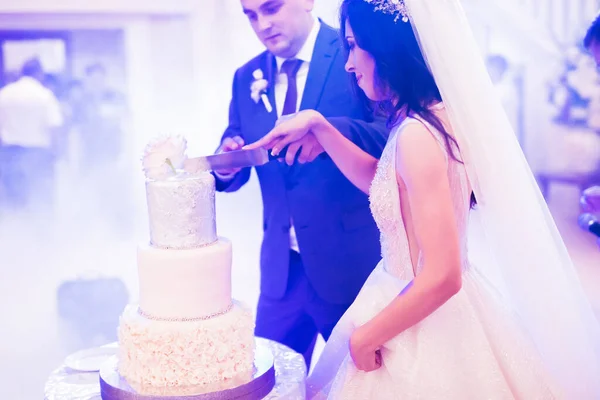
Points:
[[115, 387]]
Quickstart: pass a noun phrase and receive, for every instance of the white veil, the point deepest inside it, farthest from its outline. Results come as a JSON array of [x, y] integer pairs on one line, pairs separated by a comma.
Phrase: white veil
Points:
[[524, 257]]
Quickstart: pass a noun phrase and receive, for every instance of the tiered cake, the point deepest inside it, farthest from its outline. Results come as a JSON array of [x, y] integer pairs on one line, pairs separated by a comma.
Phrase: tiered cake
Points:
[[187, 335]]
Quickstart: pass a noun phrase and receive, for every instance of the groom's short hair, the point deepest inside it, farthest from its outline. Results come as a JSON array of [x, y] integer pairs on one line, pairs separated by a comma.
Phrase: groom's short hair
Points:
[[593, 34]]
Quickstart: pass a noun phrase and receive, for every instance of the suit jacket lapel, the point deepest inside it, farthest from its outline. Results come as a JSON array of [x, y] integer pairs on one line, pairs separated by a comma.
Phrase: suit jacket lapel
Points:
[[268, 65], [271, 76], [326, 48]]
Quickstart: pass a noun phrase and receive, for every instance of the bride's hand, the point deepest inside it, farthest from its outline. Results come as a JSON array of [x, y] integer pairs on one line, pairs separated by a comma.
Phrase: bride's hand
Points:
[[366, 357], [288, 130]]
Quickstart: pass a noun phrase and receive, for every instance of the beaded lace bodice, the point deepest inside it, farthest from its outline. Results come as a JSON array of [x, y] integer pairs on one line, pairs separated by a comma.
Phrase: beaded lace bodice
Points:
[[386, 208]]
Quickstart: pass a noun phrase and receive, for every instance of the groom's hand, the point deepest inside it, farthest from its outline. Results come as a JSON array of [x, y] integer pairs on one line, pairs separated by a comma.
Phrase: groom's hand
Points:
[[304, 150], [288, 129], [230, 144], [293, 136]]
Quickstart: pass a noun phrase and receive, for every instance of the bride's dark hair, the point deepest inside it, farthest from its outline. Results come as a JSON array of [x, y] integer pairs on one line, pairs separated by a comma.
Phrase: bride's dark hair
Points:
[[400, 68]]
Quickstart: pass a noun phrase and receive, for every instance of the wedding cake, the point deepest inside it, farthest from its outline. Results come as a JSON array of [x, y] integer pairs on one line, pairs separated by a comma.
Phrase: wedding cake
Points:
[[187, 335]]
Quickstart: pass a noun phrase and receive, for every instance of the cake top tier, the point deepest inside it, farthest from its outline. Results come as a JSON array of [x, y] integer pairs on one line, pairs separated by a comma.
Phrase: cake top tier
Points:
[[181, 206]]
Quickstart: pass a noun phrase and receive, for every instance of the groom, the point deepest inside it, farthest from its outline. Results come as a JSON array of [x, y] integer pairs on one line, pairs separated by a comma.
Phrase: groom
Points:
[[320, 241]]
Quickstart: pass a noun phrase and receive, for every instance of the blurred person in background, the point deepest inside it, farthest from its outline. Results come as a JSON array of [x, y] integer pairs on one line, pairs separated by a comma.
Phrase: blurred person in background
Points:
[[30, 121], [102, 112], [500, 72], [590, 200], [72, 103]]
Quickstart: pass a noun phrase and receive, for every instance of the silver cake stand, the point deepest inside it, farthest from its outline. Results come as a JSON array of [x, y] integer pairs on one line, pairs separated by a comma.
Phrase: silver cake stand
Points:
[[65, 383], [114, 387]]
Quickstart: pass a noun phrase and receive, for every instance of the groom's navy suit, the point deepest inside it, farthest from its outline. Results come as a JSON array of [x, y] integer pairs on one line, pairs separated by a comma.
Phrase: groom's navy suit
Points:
[[338, 240]]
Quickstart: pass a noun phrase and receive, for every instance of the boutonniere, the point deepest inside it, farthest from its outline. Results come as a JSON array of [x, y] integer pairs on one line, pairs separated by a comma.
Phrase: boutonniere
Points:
[[258, 89]]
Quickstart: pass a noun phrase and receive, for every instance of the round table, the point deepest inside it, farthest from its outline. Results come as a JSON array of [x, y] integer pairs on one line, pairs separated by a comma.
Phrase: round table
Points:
[[290, 374]]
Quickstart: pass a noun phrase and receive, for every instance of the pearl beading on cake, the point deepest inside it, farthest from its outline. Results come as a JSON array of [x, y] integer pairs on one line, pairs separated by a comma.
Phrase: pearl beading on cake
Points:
[[199, 246], [186, 319]]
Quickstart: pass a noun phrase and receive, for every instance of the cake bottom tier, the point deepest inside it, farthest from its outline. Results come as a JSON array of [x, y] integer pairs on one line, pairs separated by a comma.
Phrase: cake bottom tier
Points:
[[186, 357]]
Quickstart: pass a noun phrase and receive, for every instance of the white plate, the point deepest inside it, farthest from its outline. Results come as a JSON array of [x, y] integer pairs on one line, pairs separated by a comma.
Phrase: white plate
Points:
[[90, 360]]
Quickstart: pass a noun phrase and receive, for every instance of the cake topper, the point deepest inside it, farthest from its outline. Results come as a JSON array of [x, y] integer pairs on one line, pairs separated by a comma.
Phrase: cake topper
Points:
[[164, 156]]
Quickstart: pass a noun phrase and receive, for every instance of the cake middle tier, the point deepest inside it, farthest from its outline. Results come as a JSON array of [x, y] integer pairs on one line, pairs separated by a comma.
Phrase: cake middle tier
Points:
[[185, 284]]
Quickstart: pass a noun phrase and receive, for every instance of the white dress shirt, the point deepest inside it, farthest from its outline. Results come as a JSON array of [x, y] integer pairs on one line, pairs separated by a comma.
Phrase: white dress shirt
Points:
[[281, 85], [305, 55], [28, 112]]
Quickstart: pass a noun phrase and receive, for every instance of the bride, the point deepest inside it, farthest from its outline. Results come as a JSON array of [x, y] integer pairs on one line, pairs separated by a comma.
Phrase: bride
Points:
[[476, 297]]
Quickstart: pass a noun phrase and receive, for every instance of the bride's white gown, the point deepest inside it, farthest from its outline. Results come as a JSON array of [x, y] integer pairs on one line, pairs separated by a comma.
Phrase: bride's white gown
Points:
[[470, 348]]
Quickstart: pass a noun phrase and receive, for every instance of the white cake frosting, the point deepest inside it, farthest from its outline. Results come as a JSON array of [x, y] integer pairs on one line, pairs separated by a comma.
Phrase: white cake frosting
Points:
[[182, 211], [185, 284], [186, 357], [187, 335]]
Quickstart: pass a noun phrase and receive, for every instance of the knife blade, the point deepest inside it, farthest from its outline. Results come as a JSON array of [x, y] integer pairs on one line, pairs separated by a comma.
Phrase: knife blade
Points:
[[229, 160]]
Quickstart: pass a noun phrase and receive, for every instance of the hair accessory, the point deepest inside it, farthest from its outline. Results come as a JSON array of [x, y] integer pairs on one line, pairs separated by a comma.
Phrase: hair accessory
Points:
[[396, 8]]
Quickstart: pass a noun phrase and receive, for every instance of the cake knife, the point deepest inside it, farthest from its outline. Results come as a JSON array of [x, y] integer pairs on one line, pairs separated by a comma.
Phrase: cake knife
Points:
[[230, 160]]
